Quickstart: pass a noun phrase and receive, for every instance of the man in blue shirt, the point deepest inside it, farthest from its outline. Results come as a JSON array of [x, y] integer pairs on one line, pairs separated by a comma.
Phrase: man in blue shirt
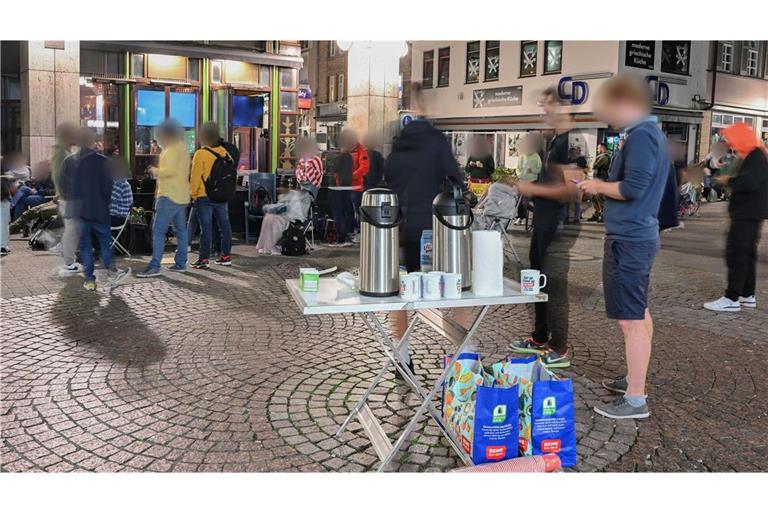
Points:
[[633, 193]]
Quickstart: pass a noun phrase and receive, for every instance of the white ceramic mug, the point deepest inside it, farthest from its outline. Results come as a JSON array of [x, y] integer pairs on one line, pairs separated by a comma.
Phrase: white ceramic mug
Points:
[[430, 286], [452, 286], [531, 282], [410, 287]]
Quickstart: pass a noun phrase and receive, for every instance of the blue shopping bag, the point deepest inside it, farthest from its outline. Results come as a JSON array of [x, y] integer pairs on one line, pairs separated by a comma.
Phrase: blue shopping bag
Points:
[[553, 427]]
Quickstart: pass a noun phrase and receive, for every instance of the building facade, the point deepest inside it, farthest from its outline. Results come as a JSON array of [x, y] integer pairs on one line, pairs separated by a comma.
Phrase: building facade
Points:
[[737, 81], [492, 88], [124, 89]]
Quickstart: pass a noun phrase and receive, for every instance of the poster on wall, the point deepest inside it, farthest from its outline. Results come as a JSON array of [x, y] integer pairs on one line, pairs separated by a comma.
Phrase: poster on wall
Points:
[[640, 54], [676, 57], [513, 149], [577, 146]]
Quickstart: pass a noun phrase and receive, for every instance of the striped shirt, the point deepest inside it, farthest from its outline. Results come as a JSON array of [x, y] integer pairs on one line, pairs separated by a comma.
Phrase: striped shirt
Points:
[[122, 199], [310, 169]]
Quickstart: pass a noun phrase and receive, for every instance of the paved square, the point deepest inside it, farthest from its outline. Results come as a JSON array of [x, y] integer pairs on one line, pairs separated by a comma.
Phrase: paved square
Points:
[[218, 371]]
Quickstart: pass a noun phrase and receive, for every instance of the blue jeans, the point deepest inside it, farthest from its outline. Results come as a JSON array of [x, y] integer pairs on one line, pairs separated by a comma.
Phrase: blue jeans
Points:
[[207, 210], [357, 200], [23, 199], [101, 232], [166, 213], [343, 216]]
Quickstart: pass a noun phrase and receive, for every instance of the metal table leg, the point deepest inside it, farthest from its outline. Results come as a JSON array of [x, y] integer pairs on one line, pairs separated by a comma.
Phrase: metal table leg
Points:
[[427, 401]]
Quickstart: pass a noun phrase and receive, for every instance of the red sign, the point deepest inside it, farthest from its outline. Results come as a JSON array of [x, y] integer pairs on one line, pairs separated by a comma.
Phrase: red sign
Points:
[[305, 98], [550, 445], [495, 452]]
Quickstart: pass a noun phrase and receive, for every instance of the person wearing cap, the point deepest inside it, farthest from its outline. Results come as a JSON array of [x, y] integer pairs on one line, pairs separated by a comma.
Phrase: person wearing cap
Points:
[[748, 208], [171, 198]]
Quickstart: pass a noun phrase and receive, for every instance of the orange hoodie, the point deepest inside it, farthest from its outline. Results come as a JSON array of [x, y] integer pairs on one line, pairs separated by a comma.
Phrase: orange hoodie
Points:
[[360, 166]]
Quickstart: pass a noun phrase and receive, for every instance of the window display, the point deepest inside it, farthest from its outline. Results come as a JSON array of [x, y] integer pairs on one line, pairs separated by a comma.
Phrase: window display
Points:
[[100, 110]]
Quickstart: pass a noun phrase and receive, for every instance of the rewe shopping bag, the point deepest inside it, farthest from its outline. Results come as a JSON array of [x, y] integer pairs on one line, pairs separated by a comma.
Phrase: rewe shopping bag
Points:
[[483, 418], [553, 423]]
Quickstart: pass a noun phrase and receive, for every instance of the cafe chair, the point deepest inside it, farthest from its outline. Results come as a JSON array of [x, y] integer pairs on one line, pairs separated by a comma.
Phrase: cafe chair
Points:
[[116, 238]]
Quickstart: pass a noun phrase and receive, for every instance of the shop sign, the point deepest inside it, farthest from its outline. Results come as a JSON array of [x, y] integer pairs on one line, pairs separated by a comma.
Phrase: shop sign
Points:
[[498, 97], [305, 98], [640, 54], [54, 45], [660, 90], [573, 91]]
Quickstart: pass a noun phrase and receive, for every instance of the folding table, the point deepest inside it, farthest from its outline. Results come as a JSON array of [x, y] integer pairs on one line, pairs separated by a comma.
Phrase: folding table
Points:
[[336, 298]]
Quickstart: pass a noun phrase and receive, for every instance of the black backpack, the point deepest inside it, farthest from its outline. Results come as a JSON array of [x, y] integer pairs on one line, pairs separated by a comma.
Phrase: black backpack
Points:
[[293, 242], [259, 198], [222, 182]]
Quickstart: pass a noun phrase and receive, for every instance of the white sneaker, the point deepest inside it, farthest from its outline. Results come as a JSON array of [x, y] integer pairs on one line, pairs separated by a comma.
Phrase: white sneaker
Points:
[[56, 249], [748, 302], [117, 276], [70, 270], [723, 304]]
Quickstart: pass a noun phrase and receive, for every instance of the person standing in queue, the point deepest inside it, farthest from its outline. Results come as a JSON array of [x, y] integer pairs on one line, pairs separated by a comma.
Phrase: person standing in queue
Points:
[[633, 194], [600, 171], [65, 147], [171, 198], [360, 168], [341, 192], [208, 211], [748, 208], [375, 174], [550, 193], [420, 161]]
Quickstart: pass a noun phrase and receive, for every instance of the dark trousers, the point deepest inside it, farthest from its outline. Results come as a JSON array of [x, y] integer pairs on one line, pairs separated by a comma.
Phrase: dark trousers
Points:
[[741, 257], [343, 216], [357, 200], [551, 318]]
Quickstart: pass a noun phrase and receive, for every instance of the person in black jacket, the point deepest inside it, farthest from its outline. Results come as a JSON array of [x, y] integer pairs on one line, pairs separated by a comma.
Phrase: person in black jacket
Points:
[[748, 208], [341, 196], [91, 188], [375, 175], [420, 161]]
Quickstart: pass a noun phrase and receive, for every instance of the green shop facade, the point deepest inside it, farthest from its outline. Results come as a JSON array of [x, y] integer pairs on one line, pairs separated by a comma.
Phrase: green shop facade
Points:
[[249, 88]]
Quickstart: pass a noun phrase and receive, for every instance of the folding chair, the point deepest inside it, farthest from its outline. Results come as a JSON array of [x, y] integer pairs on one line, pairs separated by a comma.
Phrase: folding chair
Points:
[[115, 238]]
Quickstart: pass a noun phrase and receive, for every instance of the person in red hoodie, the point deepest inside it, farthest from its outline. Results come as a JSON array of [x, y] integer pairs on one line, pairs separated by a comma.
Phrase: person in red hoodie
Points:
[[350, 144]]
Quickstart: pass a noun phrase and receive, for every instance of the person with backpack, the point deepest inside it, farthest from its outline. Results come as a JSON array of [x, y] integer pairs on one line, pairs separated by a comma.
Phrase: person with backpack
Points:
[[212, 185], [171, 198]]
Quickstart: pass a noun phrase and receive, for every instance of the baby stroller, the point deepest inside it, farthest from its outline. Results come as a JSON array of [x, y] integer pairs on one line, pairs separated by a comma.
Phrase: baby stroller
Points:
[[690, 200], [497, 210]]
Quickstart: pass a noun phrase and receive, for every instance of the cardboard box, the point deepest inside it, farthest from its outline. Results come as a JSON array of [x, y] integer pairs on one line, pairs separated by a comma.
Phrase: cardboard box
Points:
[[309, 279]]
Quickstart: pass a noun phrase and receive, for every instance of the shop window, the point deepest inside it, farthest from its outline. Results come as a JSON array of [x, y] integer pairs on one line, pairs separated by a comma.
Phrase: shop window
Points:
[[342, 87], [443, 67], [100, 63], [113, 61], [100, 110], [528, 58], [749, 57], [137, 64], [288, 78], [492, 60], [332, 88], [264, 71], [193, 70], [676, 57], [428, 69], [553, 59], [289, 102], [725, 61], [473, 62], [216, 67]]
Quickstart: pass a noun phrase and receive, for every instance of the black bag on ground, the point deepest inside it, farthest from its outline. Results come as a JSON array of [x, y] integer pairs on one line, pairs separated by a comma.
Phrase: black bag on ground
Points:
[[222, 182], [293, 242], [41, 235]]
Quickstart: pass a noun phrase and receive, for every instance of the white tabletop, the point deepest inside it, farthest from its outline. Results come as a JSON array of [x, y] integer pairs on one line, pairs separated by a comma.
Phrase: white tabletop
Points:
[[334, 297]]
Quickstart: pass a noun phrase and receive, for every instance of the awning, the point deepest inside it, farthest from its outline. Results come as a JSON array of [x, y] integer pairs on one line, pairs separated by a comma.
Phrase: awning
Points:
[[510, 123], [199, 51]]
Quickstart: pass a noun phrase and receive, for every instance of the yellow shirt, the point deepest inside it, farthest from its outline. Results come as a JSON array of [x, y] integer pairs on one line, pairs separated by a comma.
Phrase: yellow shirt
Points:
[[173, 173], [202, 163]]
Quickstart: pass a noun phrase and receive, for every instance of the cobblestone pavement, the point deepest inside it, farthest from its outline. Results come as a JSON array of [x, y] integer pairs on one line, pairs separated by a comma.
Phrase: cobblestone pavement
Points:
[[218, 371]]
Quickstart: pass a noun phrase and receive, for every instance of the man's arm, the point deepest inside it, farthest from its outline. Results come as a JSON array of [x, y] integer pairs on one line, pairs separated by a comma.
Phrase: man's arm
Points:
[[363, 166], [559, 190], [641, 153]]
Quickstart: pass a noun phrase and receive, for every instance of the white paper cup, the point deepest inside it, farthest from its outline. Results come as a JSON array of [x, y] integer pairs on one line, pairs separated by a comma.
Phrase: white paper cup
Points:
[[452, 286], [430, 286]]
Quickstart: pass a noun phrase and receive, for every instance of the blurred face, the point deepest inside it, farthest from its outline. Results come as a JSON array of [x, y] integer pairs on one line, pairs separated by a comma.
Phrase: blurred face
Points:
[[618, 114], [551, 108]]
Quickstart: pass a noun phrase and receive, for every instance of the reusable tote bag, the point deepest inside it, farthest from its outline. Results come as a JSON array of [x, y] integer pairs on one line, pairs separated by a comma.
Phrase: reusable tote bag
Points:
[[553, 424]]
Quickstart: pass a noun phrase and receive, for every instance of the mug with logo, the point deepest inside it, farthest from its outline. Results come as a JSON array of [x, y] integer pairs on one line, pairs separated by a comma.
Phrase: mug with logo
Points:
[[531, 282], [410, 287], [452, 286]]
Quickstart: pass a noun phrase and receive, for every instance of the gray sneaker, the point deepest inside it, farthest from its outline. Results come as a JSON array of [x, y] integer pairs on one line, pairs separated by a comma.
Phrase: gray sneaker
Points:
[[117, 275], [148, 272], [618, 385], [621, 409], [552, 359]]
